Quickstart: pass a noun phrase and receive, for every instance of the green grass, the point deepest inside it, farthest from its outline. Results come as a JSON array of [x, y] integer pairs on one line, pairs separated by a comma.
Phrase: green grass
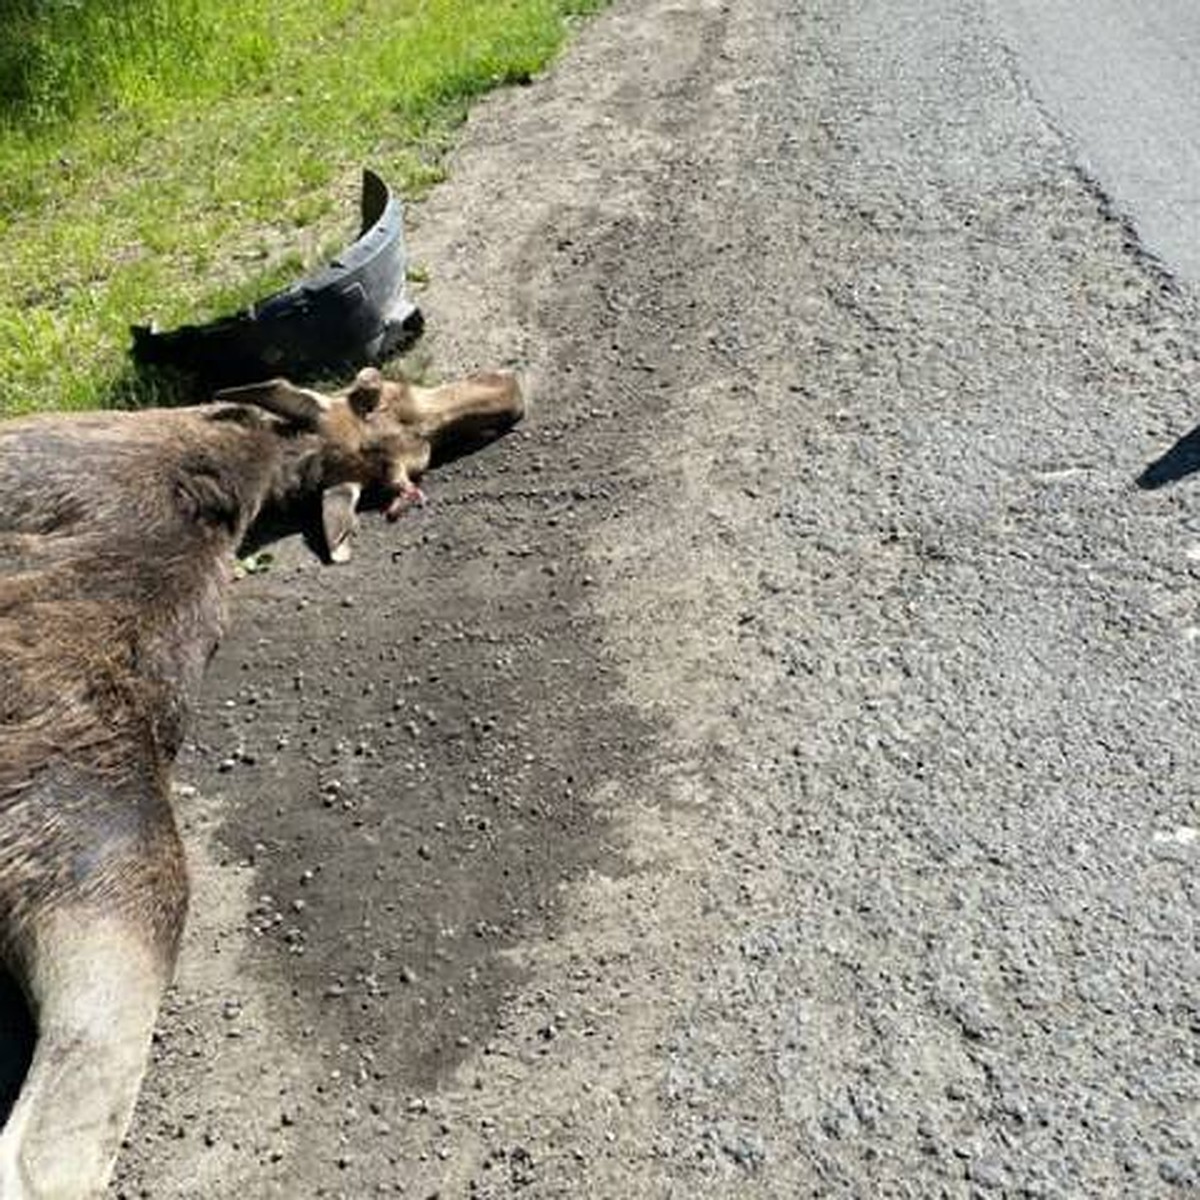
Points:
[[175, 158]]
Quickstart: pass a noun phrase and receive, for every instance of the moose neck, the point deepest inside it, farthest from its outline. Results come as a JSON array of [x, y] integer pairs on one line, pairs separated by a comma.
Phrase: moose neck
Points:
[[298, 473], [238, 467], [250, 463]]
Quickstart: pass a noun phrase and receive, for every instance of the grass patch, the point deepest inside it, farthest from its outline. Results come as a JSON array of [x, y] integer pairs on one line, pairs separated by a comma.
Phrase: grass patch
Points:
[[175, 158]]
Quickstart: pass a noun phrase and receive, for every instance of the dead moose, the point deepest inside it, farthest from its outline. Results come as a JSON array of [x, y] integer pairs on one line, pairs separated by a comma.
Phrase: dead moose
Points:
[[117, 537]]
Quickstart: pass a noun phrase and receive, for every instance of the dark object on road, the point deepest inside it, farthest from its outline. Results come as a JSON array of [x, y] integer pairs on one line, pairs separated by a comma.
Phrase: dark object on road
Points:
[[353, 312], [1182, 460]]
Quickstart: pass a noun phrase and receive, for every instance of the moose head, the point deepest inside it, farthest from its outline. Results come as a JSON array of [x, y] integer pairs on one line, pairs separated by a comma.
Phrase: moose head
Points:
[[381, 434]]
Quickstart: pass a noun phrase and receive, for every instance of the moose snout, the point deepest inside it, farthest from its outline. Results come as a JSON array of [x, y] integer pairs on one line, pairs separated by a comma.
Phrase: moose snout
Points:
[[407, 495], [471, 411]]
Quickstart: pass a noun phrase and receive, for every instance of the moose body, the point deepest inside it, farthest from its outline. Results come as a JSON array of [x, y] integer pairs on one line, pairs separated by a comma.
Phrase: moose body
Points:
[[117, 536]]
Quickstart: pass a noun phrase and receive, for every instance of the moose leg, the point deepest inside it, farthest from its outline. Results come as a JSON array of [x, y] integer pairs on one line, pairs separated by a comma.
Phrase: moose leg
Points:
[[94, 982]]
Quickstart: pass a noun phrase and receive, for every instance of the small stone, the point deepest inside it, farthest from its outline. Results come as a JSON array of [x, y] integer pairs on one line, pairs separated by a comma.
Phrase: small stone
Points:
[[1175, 1173], [989, 1174]]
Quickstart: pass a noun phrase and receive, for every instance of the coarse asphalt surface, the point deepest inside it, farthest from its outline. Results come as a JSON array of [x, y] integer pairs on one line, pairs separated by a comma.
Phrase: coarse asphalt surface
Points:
[[771, 771]]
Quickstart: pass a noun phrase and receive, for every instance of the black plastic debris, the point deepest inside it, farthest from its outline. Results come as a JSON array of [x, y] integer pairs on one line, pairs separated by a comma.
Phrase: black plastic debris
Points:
[[353, 312]]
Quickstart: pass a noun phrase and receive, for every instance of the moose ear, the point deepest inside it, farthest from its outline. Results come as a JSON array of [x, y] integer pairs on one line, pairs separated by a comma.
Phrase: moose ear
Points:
[[366, 391], [339, 519], [281, 397]]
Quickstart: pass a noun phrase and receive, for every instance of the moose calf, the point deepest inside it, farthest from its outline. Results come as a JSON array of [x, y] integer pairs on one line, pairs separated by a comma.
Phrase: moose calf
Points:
[[117, 534]]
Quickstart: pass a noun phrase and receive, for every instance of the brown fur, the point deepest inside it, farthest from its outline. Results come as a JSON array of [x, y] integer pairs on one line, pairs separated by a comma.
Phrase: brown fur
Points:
[[117, 532]]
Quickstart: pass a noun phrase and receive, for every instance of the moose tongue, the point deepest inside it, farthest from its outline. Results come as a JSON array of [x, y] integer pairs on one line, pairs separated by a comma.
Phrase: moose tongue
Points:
[[411, 494]]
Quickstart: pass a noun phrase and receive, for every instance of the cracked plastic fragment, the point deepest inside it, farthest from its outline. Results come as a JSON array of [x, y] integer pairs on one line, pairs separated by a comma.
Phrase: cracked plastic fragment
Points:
[[354, 311]]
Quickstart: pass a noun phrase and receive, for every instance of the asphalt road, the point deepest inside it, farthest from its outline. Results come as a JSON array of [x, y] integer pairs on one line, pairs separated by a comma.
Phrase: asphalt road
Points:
[[773, 771], [1121, 80]]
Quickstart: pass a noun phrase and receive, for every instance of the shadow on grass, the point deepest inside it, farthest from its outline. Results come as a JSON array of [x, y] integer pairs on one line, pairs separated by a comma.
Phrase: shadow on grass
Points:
[[139, 386]]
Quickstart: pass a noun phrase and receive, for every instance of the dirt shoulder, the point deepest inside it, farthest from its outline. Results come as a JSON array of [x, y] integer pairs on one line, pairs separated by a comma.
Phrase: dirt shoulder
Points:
[[754, 776]]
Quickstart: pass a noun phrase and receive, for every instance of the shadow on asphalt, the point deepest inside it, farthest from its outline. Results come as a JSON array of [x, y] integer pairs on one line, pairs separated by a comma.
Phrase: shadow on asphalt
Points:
[[1182, 460]]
